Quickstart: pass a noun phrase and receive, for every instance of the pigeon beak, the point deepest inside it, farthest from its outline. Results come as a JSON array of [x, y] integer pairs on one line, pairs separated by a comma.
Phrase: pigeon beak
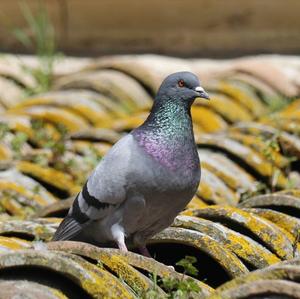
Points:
[[202, 93]]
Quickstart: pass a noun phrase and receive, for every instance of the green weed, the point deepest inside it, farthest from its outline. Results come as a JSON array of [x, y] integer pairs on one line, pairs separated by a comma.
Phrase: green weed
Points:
[[182, 288], [277, 103], [4, 129], [39, 37], [18, 142]]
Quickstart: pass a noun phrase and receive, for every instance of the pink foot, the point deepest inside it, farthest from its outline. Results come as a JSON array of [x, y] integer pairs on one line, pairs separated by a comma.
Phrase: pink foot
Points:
[[122, 247], [144, 251]]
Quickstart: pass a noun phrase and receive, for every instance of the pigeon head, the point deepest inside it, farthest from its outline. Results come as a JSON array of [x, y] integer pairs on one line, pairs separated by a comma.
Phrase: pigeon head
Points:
[[183, 87]]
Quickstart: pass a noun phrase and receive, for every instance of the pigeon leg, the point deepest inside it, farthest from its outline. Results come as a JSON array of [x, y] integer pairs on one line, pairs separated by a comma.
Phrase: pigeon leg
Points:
[[122, 245], [119, 236], [144, 251]]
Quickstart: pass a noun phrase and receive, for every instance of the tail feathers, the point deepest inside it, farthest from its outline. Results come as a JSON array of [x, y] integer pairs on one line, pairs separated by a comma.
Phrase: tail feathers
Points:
[[67, 230]]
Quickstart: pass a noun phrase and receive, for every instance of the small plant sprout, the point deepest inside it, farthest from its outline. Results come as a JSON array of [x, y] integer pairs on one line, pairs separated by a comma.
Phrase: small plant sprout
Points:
[[39, 36], [277, 103], [153, 292], [258, 188], [4, 129], [176, 288], [187, 265], [36, 189], [100, 264], [272, 147], [18, 142]]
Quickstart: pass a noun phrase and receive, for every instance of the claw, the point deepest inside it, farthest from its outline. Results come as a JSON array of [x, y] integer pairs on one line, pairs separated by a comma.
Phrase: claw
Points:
[[122, 246]]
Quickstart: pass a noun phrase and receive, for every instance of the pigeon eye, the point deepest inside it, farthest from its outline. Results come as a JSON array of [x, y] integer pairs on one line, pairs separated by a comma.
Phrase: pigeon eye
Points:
[[181, 83]]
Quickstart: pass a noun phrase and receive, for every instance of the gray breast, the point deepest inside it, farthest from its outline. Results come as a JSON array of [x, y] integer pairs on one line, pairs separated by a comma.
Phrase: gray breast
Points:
[[149, 176], [165, 192]]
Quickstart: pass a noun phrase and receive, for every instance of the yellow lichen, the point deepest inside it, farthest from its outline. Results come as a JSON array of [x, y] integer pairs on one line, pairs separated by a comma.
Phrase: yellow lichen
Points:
[[275, 239], [207, 119], [5, 152], [253, 104], [21, 190], [51, 176], [70, 120], [14, 243]]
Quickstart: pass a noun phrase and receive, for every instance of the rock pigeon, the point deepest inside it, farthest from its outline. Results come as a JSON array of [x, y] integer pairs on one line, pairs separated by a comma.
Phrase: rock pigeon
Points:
[[147, 177]]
